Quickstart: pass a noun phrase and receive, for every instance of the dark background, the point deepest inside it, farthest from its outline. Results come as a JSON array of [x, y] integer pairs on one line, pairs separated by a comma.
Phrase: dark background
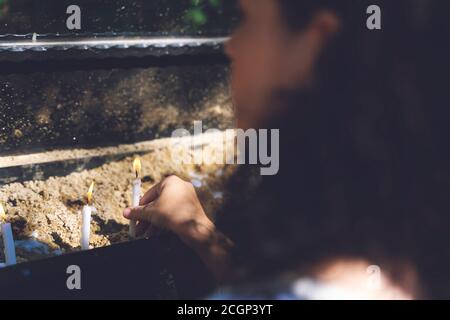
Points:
[[95, 97], [212, 17]]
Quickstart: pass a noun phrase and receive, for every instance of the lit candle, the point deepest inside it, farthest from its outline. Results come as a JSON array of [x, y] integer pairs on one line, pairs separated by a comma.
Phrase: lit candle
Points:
[[136, 196], [86, 219], [8, 239]]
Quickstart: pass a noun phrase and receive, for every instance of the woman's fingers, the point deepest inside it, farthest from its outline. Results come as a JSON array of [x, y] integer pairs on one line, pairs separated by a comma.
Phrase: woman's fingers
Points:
[[137, 213], [151, 195]]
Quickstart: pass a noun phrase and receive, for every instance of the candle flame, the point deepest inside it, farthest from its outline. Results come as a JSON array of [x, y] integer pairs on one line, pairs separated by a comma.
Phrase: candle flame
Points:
[[89, 194], [137, 166], [2, 213]]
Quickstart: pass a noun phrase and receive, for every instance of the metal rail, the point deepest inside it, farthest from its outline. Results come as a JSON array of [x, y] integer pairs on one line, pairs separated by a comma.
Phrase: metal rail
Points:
[[118, 42]]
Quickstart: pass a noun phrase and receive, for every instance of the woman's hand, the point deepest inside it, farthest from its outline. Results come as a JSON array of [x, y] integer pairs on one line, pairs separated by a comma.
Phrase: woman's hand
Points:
[[173, 204]]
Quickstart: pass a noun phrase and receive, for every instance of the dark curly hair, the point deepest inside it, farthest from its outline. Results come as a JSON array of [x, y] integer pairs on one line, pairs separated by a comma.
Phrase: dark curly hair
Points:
[[364, 155]]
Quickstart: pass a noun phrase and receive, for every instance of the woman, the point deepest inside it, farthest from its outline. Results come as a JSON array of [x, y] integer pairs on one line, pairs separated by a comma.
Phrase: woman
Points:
[[360, 206]]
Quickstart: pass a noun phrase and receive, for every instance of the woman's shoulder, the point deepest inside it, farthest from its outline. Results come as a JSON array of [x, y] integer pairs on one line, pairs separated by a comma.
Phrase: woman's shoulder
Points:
[[272, 289], [286, 289]]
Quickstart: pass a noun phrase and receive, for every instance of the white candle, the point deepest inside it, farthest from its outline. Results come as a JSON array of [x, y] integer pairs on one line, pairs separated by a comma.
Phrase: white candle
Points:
[[8, 240], [136, 193], [86, 220]]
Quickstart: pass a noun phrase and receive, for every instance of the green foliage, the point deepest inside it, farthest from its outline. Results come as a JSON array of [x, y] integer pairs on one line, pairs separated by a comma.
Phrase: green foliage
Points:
[[197, 15], [2, 7], [215, 3]]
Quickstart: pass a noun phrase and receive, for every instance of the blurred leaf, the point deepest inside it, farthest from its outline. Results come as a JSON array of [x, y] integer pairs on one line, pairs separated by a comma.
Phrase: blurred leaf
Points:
[[196, 3], [214, 3], [197, 16], [2, 7]]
